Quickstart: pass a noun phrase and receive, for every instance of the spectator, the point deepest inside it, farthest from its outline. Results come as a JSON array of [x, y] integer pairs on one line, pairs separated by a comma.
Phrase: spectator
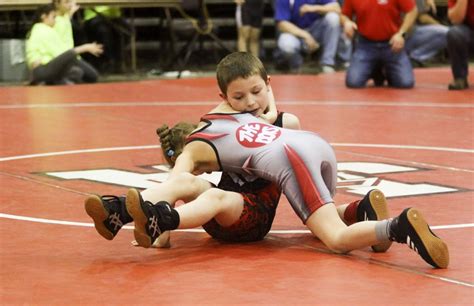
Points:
[[65, 9], [379, 52], [249, 17], [460, 40], [50, 60], [304, 26], [428, 36], [105, 25]]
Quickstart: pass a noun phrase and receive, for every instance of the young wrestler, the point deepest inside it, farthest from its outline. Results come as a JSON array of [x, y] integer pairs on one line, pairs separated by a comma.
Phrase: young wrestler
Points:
[[235, 211], [300, 162]]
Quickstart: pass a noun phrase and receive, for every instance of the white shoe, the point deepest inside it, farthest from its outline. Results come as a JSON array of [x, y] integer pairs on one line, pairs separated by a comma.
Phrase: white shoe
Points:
[[328, 69]]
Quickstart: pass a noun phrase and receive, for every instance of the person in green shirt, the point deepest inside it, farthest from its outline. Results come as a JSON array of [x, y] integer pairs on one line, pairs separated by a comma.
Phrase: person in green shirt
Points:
[[106, 25], [65, 10], [50, 60]]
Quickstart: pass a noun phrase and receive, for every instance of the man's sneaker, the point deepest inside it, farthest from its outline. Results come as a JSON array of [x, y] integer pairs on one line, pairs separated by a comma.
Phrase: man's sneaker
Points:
[[150, 219], [328, 69], [374, 207], [411, 228], [109, 214]]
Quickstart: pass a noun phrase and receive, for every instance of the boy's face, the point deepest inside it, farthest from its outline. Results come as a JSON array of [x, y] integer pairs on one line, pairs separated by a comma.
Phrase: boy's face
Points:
[[248, 95]]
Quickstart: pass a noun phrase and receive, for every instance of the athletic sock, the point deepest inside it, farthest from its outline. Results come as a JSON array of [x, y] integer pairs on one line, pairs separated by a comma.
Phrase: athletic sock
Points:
[[382, 230], [350, 214]]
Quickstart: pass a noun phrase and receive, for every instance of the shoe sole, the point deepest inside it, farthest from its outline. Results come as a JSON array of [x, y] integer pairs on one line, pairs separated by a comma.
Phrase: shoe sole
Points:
[[99, 214], [379, 205], [135, 210], [436, 248]]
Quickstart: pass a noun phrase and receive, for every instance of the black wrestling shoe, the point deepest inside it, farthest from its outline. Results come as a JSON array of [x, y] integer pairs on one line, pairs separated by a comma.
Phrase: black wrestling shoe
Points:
[[109, 214], [374, 207], [150, 219], [411, 228]]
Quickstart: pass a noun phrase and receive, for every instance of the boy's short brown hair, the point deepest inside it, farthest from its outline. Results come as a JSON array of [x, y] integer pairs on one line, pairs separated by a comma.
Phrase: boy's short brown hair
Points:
[[238, 65]]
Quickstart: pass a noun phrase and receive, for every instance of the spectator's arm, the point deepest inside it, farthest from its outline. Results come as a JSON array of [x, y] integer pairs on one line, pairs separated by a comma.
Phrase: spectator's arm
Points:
[[348, 25], [398, 40], [320, 9], [457, 13], [288, 27]]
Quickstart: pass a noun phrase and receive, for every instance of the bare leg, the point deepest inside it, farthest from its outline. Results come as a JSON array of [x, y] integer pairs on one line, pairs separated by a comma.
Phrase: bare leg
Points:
[[326, 224], [242, 42], [254, 41], [183, 186], [225, 206]]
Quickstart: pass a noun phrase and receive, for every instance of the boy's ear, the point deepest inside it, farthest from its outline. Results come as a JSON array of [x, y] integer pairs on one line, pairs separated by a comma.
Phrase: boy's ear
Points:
[[268, 80], [223, 97]]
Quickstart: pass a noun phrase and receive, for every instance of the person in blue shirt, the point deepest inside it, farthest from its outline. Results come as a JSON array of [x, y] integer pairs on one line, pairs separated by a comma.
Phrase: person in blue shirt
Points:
[[303, 27]]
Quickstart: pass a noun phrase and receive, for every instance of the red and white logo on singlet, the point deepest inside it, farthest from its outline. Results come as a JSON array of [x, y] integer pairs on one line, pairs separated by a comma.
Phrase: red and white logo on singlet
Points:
[[253, 135]]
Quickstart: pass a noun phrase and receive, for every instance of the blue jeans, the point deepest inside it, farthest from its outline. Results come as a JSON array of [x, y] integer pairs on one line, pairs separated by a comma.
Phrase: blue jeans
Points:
[[369, 55], [325, 30], [460, 42], [426, 41]]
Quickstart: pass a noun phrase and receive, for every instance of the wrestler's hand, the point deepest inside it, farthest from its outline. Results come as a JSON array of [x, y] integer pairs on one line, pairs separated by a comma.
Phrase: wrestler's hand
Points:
[[270, 114], [162, 242]]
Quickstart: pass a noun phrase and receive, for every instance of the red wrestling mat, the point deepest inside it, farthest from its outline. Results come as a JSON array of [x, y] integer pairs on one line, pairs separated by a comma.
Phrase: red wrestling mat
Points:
[[60, 143]]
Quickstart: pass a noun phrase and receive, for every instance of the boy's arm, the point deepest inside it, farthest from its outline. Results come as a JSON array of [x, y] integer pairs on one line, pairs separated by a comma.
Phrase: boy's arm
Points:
[[197, 157], [271, 113]]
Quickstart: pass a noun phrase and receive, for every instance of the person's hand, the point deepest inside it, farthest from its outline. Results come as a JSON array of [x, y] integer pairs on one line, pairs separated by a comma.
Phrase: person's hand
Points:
[[74, 8], [163, 241], [431, 5], [311, 43], [397, 42], [270, 115], [350, 27], [95, 49]]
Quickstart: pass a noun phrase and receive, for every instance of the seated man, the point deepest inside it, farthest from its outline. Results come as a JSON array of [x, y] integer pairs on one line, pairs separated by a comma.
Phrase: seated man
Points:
[[303, 27], [427, 37]]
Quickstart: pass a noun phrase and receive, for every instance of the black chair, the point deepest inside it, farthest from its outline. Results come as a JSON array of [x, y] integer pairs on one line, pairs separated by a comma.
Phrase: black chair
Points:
[[196, 12]]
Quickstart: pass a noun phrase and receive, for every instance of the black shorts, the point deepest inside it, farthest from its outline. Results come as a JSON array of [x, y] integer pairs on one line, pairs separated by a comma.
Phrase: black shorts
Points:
[[251, 13], [256, 218]]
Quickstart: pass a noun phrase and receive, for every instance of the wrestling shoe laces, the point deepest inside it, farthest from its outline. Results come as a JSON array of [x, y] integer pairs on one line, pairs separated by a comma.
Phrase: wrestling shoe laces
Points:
[[411, 228], [374, 207], [108, 213]]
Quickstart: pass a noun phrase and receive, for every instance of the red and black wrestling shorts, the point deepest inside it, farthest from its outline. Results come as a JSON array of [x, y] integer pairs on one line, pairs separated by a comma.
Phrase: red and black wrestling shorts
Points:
[[260, 205]]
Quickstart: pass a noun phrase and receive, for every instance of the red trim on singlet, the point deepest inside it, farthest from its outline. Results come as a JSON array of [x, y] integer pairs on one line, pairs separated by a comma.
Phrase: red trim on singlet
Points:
[[309, 190], [205, 136], [219, 117]]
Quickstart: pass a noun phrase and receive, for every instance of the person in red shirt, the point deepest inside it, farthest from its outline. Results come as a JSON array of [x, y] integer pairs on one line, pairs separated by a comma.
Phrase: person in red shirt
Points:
[[381, 40], [460, 40]]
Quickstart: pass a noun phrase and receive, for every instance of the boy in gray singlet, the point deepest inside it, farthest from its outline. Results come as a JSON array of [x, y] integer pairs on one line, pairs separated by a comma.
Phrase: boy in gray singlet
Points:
[[304, 170]]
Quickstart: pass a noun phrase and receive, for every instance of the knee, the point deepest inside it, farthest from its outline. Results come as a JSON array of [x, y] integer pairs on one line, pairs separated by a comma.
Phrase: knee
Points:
[[455, 35], [215, 196], [404, 83], [191, 182], [355, 82], [337, 246], [332, 19], [288, 44]]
